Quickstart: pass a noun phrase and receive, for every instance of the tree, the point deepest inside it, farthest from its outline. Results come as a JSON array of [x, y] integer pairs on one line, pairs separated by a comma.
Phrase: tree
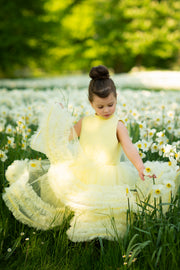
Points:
[[73, 35], [120, 34], [138, 33], [25, 33]]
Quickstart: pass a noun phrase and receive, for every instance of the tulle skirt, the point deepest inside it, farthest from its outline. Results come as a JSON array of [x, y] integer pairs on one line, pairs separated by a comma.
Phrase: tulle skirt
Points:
[[98, 197]]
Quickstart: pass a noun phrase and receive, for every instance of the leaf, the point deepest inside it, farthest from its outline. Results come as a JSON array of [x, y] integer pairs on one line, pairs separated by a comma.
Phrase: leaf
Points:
[[158, 255], [137, 250]]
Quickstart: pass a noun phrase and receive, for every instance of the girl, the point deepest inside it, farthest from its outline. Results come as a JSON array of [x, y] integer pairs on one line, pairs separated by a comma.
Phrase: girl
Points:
[[103, 99], [85, 175]]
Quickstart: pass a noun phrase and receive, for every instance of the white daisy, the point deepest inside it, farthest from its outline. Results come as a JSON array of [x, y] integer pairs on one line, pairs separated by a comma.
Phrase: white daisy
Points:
[[3, 156], [158, 190]]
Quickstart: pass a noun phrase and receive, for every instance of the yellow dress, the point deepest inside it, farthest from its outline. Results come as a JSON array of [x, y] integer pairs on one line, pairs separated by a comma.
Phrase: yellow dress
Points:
[[85, 176]]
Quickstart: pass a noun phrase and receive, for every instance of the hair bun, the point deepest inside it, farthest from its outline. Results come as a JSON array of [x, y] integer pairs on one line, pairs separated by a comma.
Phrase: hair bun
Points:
[[99, 72]]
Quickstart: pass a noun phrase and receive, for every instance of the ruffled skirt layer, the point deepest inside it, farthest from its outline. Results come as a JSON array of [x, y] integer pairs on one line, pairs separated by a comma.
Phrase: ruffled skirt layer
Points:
[[43, 202], [99, 197]]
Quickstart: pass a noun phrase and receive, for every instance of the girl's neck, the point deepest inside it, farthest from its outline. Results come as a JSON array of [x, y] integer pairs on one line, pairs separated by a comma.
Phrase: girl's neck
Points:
[[103, 118]]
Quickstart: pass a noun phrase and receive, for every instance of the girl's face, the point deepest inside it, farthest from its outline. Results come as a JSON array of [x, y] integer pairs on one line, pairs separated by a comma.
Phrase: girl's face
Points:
[[104, 107]]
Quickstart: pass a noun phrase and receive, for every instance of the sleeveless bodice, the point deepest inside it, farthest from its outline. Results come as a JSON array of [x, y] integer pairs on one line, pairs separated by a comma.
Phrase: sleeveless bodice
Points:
[[98, 139]]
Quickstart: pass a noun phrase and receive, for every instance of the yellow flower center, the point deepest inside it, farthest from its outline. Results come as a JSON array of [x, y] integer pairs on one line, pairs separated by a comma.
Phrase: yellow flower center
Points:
[[169, 163], [127, 190], [148, 170], [33, 165], [168, 185], [140, 126], [157, 191]]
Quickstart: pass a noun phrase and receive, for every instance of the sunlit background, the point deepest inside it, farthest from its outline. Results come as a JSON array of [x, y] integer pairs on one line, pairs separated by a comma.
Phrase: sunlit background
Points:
[[40, 37]]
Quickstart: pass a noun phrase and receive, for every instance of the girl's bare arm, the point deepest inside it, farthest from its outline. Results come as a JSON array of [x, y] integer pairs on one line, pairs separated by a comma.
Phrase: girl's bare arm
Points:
[[129, 149], [77, 128]]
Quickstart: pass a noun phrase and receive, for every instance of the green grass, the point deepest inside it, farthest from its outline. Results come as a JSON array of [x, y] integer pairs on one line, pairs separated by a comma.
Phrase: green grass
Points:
[[152, 241]]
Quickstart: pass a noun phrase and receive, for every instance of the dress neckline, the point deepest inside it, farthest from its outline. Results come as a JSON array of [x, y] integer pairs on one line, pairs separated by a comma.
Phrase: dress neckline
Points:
[[102, 118]]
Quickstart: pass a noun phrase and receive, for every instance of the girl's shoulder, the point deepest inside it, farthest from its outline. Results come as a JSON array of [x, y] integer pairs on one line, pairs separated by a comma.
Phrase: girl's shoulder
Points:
[[78, 126], [121, 130], [121, 125], [121, 122]]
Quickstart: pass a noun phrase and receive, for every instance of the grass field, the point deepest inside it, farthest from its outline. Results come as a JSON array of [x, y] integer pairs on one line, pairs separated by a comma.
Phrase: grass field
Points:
[[152, 240]]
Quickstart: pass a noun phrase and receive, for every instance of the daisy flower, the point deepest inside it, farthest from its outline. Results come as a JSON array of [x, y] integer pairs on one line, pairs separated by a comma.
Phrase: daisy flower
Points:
[[3, 156], [10, 141], [169, 185], [154, 148], [157, 190]]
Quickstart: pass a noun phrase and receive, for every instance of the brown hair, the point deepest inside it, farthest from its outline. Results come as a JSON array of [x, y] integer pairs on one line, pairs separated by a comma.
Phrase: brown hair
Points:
[[100, 85]]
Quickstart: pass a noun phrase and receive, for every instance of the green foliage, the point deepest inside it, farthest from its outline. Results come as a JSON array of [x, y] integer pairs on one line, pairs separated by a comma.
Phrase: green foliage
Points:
[[119, 34], [155, 236], [24, 30], [137, 33], [75, 34]]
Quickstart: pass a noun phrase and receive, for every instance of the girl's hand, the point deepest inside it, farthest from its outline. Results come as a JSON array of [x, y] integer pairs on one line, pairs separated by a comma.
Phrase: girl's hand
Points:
[[61, 105], [152, 176], [141, 175]]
